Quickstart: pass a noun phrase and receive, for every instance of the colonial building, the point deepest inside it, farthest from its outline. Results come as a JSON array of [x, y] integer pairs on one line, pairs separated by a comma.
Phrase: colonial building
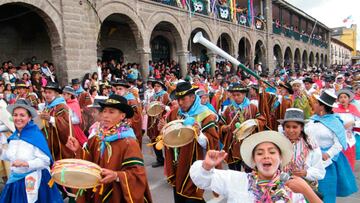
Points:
[[340, 52], [75, 33]]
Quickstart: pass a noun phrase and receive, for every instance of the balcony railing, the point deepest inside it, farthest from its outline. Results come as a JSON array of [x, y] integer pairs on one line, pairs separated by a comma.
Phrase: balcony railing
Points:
[[288, 32], [296, 35], [168, 2], [305, 38], [276, 30]]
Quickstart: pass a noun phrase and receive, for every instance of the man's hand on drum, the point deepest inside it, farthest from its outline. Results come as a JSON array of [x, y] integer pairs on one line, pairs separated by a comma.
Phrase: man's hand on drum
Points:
[[73, 144], [213, 158], [161, 124], [45, 116], [109, 176]]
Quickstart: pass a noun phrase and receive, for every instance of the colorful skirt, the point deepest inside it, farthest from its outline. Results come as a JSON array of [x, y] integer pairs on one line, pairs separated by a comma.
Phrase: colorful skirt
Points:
[[350, 154], [16, 192], [339, 180], [357, 137]]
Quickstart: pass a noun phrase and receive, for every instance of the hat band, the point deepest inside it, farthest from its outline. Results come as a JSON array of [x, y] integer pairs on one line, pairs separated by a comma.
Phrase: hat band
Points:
[[238, 89], [181, 93], [21, 85], [112, 101]]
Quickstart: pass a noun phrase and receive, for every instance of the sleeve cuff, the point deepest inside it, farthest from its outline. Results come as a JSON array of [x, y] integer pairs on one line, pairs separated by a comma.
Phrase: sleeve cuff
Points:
[[52, 120]]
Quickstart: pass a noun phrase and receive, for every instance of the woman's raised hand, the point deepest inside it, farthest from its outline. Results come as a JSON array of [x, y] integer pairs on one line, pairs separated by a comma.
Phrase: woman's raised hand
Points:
[[213, 158]]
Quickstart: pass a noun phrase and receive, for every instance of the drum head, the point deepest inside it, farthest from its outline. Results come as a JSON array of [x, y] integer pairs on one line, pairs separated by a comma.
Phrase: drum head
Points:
[[155, 110], [74, 173], [245, 129], [179, 137]]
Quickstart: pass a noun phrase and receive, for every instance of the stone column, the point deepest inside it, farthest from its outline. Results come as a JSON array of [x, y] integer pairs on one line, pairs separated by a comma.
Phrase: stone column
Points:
[[80, 28], [269, 53], [182, 60], [144, 57], [212, 60]]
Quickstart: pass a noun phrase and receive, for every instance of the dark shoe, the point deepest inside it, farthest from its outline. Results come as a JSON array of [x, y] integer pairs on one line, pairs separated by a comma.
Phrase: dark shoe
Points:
[[157, 164]]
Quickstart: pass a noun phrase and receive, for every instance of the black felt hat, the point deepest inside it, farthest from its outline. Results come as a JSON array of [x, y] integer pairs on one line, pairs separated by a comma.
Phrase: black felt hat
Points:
[[118, 102], [53, 86], [182, 89]]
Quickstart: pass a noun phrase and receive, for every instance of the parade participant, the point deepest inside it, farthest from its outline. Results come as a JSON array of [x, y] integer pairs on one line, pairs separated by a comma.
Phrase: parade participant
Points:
[[55, 117], [160, 95], [339, 82], [23, 93], [82, 96], [328, 79], [238, 111], [265, 152], [149, 92], [300, 99], [30, 159], [171, 83], [204, 97], [254, 94], [7, 127], [220, 96], [357, 91], [306, 161], [179, 160], [310, 87], [284, 100], [114, 148], [10, 77], [75, 114], [133, 89], [96, 114], [349, 114], [329, 133], [122, 89]]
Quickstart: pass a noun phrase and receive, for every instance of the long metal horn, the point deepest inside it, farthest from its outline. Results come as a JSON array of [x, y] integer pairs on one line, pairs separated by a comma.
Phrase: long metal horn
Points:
[[199, 38]]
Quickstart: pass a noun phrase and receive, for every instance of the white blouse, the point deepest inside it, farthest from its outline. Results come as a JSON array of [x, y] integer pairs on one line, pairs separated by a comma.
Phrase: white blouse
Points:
[[324, 137], [229, 183], [23, 151], [346, 118]]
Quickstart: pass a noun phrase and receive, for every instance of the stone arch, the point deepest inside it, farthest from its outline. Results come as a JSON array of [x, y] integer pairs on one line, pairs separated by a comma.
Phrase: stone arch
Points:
[[288, 57], [278, 57], [171, 24], [196, 50], [225, 43], [304, 59], [199, 24], [297, 59], [311, 59], [49, 20], [137, 25], [260, 53], [245, 53], [121, 35]]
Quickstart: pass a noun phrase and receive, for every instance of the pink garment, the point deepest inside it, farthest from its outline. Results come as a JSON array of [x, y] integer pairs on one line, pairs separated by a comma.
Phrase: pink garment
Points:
[[351, 109], [44, 81], [75, 107]]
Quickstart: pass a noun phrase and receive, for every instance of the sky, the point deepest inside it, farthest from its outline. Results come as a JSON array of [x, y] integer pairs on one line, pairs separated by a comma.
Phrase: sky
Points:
[[332, 12]]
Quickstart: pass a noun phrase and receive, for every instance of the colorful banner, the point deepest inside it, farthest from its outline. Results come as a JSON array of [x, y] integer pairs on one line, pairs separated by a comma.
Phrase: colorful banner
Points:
[[199, 6], [224, 12]]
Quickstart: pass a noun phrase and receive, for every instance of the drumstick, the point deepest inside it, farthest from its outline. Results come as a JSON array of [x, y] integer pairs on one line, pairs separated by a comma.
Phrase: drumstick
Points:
[[70, 126], [234, 118]]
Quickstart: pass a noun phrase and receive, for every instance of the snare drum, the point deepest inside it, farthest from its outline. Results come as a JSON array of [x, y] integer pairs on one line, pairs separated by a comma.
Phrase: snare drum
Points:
[[155, 108], [176, 134], [76, 173]]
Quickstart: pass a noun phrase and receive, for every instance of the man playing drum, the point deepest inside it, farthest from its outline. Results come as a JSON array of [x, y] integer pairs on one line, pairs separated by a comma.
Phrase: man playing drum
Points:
[[178, 160], [55, 116], [122, 89], [114, 148], [238, 111], [160, 95]]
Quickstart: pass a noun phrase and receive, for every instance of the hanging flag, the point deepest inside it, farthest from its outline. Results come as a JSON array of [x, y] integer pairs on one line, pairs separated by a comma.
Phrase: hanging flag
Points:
[[199, 6], [223, 12], [347, 19]]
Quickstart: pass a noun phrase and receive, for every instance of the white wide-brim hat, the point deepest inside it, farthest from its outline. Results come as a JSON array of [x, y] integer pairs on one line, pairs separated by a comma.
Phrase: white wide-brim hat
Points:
[[249, 144]]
